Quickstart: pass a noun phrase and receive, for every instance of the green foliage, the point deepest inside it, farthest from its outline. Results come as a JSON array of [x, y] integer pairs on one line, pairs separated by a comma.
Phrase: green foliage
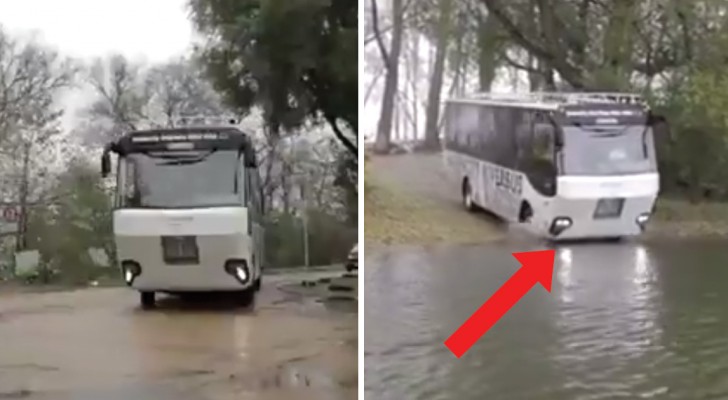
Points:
[[329, 239], [694, 158], [297, 59], [79, 219]]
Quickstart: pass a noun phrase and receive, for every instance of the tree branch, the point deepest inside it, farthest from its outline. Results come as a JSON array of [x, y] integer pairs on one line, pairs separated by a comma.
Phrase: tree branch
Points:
[[351, 147], [567, 71], [515, 64], [378, 36]]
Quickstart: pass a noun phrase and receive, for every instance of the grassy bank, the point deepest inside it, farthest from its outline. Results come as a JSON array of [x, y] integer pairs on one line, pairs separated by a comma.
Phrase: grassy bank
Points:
[[678, 218], [398, 217]]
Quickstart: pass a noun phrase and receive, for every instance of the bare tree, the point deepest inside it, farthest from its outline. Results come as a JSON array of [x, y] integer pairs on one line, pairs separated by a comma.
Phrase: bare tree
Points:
[[132, 96], [179, 88], [121, 99], [31, 78], [391, 62]]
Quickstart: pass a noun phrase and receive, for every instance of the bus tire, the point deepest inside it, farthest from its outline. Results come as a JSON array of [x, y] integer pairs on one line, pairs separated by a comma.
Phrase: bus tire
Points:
[[526, 213], [246, 298], [467, 196], [258, 283], [148, 300]]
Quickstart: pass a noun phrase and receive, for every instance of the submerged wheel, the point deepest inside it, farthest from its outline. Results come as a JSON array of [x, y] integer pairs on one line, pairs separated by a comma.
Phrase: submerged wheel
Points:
[[468, 197], [526, 213], [246, 298], [147, 299]]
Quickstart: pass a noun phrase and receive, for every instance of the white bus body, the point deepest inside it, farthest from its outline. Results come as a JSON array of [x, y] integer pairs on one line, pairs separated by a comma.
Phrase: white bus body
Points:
[[188, 220], [593, 180]]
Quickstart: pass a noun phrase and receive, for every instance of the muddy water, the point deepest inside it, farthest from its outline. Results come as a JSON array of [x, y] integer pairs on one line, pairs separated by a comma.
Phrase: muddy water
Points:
[[623, 321], [96, 344]]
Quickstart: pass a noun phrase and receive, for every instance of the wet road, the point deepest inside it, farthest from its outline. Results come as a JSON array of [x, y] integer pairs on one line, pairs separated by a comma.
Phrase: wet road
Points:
[[623, 321], [96, 344]]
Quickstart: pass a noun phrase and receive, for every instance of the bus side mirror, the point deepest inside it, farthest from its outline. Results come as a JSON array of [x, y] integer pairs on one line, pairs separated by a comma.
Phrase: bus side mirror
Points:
[[105, 165]]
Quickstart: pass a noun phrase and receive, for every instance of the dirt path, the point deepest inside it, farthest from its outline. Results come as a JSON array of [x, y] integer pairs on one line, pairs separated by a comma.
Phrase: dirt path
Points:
[[419, 174], [97, 344]]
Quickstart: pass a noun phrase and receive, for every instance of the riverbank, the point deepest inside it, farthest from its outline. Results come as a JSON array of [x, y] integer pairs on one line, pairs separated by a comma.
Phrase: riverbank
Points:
[[405, 203], [395, 217], [678, 218]]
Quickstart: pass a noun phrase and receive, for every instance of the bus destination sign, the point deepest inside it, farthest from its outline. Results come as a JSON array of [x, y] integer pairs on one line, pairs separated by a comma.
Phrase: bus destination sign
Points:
[[178, 137], [603, 114]]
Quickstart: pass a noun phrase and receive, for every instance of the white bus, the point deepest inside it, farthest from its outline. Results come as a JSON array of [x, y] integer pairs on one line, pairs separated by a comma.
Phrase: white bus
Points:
[[565, 165], [188, 213]]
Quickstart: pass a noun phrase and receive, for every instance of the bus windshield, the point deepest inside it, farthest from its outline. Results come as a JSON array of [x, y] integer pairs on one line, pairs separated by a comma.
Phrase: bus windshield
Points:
[[599, 150], [181, 179]]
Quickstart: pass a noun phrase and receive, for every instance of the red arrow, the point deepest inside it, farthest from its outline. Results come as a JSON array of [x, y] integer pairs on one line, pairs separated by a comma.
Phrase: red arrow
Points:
[[537, 266]]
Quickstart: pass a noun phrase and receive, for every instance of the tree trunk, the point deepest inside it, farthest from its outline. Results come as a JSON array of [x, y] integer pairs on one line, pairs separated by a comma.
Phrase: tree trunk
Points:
[[384, 127], [488, 47], [21, 239], [432, 134], [415, 60], [615, 70]]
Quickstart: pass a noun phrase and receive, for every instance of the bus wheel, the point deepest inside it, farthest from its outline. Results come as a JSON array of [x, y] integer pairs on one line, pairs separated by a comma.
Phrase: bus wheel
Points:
[[526, 213], [258, 283], [468, 196], [147, 299], [246, 298]]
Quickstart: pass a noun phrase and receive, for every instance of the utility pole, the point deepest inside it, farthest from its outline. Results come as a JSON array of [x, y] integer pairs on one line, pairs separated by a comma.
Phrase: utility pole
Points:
[[304, 201], [301, 150]]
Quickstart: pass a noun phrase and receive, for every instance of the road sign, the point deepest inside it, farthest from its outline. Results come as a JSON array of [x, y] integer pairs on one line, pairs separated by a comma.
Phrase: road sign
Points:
[[10, 214], [9, 220]]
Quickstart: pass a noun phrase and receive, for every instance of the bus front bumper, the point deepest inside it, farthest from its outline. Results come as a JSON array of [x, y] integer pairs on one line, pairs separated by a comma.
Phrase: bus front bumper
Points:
[[224, 265]]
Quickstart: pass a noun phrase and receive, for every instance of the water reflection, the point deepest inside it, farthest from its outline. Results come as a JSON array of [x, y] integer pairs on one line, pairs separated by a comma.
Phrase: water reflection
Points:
[[622, 321], [607, 316]]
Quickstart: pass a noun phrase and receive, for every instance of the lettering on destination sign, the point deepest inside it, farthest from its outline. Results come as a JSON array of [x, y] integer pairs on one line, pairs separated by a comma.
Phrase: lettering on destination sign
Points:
[[508, 180], [178, 137], [603, 113]]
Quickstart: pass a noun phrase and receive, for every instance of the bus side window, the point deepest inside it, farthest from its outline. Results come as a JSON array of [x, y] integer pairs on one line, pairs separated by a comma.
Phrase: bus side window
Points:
[[543, 166], [543, 142], [131, 195], [246, 186], [253, 188]]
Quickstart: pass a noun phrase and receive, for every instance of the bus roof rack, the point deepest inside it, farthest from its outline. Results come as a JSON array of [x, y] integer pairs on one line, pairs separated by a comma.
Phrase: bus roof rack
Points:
[[561, 98], [184, 121]]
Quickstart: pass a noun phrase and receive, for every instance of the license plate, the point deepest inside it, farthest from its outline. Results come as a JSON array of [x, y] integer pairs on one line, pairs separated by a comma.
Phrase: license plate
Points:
[[608, 208], [180, 249]]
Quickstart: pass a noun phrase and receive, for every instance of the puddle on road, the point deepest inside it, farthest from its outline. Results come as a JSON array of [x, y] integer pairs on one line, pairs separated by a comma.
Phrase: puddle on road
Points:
[[98, 344]]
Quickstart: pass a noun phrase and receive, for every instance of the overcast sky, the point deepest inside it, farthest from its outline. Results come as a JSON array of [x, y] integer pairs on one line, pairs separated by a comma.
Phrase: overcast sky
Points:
[[154, 30]]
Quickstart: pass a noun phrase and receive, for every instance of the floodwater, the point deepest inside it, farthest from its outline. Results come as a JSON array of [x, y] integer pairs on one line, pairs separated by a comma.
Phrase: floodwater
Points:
[[623, 321], [97, 344]]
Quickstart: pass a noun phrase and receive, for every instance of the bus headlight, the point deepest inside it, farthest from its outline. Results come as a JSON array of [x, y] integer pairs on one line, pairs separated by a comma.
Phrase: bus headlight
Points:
[[642, 220], [559, 225], [238, 269], [130, 270]]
